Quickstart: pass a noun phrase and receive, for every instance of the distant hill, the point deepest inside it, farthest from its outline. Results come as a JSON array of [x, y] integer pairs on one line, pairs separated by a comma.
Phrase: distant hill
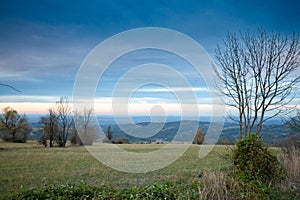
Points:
[[273, 131]]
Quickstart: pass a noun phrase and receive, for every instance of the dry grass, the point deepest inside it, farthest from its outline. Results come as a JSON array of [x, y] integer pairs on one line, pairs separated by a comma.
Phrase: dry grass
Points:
[[291, 163], [217, 185], [213, 185]]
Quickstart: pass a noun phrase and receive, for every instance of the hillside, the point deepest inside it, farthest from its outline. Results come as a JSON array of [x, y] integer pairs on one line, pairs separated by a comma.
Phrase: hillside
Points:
[[272, 132]]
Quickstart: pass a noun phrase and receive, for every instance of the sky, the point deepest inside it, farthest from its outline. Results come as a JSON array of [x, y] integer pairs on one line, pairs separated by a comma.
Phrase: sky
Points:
[[43, 44]]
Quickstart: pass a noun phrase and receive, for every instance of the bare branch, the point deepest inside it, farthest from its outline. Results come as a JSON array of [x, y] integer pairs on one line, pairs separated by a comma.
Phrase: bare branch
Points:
[[5, 85], [256, 73]]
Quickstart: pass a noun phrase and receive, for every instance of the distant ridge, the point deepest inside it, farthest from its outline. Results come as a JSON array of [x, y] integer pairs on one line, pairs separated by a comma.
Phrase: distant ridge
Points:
[[272, 132]]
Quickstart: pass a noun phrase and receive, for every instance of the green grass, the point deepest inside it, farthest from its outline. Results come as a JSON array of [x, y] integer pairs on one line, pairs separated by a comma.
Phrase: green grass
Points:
[[23, 166]]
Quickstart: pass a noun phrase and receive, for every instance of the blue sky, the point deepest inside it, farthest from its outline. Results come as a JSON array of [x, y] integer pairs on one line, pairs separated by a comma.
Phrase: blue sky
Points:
[[43, 43]]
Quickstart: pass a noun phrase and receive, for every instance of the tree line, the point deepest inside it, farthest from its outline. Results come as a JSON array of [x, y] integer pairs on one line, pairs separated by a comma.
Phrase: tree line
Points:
[[61, 123], [56, 127]]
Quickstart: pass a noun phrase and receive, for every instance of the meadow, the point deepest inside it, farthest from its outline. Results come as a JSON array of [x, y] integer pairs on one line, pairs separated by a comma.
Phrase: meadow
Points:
[[23, 166]]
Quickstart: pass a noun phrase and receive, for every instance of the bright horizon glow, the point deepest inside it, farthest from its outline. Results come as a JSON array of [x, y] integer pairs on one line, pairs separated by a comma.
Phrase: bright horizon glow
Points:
[[105, 107]]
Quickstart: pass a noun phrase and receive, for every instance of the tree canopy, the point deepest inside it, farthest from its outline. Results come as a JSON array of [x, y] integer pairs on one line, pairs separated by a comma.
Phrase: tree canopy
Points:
[[13, 126]]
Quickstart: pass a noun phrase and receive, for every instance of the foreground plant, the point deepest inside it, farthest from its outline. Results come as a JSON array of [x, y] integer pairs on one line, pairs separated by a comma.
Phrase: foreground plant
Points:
[[253, 161]]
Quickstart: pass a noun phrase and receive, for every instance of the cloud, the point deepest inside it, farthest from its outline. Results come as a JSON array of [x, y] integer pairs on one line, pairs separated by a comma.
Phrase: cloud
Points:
[[175, 89], [40, 53], [36, 51], [28, 99], [17, 76]]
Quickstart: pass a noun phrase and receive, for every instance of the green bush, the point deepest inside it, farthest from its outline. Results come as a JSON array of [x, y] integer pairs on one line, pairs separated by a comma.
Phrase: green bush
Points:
[[70, 191], [155, 191], [253, 161], [83, 191], [211, 186]]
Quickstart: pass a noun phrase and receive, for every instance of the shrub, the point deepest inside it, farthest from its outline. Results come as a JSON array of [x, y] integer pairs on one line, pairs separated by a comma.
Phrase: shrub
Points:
[[212, 185], [254, 162], [81, 140], [74, 139], [120, 141], [43, 140], [198, 139], [155, 191], [70, 191], [83, 191], [225, 142]]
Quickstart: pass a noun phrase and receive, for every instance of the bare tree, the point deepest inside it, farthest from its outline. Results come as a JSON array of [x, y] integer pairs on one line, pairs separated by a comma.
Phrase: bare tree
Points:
[[258, 73], [65, 120], [85, 126], [86, 119], [294, 122], [50, 128]]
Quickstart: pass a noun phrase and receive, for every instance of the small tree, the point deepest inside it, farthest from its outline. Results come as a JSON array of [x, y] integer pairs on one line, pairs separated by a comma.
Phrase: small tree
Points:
[[50, 128], [75, 139], [198, 139], [65, 120], [109, 133], [109, 136], [86, 131], [14, 127]]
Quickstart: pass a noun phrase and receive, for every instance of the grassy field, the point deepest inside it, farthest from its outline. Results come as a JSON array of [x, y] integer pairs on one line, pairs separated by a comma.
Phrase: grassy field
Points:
[[23, 166]]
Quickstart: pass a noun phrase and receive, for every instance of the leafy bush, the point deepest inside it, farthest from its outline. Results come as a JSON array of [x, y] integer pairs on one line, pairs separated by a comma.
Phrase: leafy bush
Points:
[[211, 185], [155, 191], [70, 191], [13, 126], [43, 140], [75, 140], [198, 139], [254, 162], [83, 191]]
